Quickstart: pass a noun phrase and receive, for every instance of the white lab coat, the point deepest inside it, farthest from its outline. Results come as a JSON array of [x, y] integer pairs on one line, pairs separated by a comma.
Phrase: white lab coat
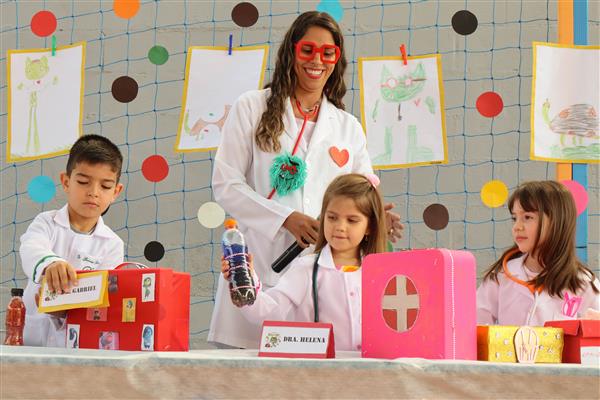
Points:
[[241, 185], [339, 299], [49, 238], [510, 303]]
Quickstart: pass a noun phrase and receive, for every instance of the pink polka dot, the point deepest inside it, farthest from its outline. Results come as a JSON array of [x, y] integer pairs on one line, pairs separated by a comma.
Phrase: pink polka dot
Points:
[[579, 195]]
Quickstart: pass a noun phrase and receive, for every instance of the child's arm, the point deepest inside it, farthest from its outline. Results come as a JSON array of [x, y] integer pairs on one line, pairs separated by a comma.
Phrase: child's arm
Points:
[[277, 302], [487, 302], [38, 258]]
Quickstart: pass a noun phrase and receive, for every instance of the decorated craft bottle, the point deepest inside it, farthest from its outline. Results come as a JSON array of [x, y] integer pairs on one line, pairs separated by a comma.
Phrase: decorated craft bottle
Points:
[[15, 318], [235, 252]]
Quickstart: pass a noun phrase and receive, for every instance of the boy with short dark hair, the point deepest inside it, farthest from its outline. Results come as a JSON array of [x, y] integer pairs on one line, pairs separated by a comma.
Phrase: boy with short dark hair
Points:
[[59, 242]]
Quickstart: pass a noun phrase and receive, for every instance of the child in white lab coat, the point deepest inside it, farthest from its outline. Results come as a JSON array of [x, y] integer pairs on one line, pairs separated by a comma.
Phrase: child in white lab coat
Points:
[[352, 225], [58, 242], [539, 278]]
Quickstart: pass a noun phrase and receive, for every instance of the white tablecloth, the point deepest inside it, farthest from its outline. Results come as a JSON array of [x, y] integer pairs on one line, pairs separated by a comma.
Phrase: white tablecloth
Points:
[[31, 372]]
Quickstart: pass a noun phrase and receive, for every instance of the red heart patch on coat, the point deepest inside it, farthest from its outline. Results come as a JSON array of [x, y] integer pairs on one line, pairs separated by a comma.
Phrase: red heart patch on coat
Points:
[[340, 157]]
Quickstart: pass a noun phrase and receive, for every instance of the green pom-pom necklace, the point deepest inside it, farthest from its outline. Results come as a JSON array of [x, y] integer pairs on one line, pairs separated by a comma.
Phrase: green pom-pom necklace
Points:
[[287, 173]]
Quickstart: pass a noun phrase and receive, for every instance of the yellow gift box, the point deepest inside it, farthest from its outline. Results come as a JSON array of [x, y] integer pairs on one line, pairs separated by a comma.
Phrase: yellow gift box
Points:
[[497, 343]]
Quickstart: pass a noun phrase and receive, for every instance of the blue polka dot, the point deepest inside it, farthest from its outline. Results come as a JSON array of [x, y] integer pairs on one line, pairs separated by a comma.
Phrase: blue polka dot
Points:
[[331, 7], [41, 189]]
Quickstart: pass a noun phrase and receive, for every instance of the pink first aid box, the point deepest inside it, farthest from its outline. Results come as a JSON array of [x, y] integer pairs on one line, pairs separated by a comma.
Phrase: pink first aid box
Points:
[[419, 303]]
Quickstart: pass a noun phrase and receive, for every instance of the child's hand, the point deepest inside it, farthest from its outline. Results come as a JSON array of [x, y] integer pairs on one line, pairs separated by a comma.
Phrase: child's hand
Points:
[[60, 277], [225, 266]]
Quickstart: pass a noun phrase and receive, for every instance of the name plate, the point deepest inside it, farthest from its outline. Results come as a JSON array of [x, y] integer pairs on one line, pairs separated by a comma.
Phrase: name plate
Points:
[[91, 291], [296, 340], [590, 355]]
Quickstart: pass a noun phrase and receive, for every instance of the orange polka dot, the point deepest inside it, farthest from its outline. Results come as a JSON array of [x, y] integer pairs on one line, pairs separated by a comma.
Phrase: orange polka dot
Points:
[[126, 8]]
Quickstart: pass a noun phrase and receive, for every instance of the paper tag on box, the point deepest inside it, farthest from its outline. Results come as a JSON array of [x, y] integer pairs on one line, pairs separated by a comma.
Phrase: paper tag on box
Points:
[[91, 291], [590, 356], [296, 340]]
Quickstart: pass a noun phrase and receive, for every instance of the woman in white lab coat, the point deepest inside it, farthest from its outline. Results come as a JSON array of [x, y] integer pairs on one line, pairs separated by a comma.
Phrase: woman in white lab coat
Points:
[[301, 114]]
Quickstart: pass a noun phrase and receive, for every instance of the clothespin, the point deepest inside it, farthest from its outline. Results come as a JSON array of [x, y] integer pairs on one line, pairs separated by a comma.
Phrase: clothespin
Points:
[[53, 45], [403, 51], [230, 43]]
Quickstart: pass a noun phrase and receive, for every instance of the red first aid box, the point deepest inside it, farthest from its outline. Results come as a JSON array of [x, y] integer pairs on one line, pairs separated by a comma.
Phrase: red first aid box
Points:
[[580, 335], [149, 309]]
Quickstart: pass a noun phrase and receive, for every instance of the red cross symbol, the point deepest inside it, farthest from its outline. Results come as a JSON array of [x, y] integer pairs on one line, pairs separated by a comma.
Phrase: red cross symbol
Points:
[[400, 303]]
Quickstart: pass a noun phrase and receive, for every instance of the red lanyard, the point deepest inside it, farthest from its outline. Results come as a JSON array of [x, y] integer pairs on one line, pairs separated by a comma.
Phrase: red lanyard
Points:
[[306, 118]]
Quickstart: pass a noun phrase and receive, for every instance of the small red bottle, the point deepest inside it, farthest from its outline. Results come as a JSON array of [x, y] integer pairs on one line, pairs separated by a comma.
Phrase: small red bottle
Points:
[[15, 318]]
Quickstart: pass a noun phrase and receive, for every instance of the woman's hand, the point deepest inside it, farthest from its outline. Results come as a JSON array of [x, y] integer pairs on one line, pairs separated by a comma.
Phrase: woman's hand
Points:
[[393, 227], [304, 228]]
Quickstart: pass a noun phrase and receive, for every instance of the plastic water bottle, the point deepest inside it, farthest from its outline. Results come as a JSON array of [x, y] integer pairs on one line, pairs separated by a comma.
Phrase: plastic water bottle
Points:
[[15, 318], [235, 252]]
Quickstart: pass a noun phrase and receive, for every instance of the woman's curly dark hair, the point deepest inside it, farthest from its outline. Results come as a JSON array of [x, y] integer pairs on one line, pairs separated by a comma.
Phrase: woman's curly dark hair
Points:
[[283, 82]]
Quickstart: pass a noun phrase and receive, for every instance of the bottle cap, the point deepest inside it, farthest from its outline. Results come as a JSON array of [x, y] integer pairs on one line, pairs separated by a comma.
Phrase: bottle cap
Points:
[[16, 292], [230, 223]]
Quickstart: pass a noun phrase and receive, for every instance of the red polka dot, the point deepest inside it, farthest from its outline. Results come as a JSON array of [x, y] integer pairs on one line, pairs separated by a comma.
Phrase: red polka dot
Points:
[[43, 23], [489, 104], [155, 168]]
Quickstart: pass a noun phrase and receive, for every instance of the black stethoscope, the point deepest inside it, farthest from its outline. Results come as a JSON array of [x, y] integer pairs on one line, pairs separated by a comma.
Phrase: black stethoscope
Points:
[[315, 295], [314, 287]]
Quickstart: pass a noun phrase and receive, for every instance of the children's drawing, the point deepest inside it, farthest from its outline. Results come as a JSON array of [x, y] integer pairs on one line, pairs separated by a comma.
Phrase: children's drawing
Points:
[[405, 124], [213, 81], [72, 336], [147, 337], [40, 88], [148, 287], [38, 77], [400, 89], [108, 340], [204, 127], [564, 118]]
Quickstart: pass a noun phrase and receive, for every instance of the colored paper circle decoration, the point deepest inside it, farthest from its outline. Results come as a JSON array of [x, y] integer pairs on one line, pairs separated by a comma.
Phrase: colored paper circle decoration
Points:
[[126, 8], [124, 89], [400, 303], [494, 193], [244, 14], [155, 168], [331, 7], [41, 189], [489, 104], [579, 193], [211, 215], [158, 55], [436, 216], [43, 23], [464, 22], [154, 251]]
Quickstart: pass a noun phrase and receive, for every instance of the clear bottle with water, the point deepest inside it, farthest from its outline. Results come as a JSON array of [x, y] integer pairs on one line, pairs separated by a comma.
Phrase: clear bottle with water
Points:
[[235, 252]]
